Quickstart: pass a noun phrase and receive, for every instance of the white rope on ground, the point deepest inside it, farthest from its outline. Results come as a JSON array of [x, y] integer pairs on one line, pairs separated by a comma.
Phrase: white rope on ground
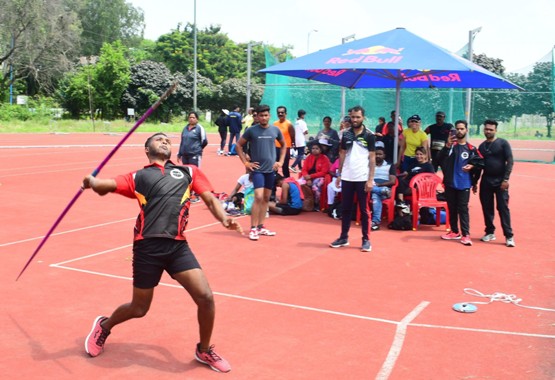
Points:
[[501, 297]]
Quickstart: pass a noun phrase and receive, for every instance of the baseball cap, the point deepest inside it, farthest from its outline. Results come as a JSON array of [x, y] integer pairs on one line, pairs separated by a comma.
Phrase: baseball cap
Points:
[[324, 142], [440, 113], [380, 144], [414, 117], [225, 111], [347, 119]]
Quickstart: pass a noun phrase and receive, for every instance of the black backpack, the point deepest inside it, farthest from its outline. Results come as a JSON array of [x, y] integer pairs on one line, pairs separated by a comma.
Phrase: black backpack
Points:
[[401, 223]]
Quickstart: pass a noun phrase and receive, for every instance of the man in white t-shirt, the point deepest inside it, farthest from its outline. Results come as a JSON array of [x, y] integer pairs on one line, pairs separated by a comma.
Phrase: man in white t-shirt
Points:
[[301, 130], [357, 162]]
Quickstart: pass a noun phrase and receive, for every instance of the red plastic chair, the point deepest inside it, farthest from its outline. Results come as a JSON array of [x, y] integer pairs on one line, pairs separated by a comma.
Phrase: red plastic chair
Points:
[[424, 194], [389, 204]]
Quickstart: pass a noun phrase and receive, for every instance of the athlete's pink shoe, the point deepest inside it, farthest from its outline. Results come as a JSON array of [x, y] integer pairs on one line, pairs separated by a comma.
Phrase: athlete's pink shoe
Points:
[[94, 344], [212, 359], [451, 236]]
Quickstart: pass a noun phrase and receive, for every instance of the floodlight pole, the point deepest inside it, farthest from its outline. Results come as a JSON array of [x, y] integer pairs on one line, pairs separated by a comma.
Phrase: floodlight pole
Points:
[[195, 57], [471, 35], [249, 70], [343, 40], [308, 41]]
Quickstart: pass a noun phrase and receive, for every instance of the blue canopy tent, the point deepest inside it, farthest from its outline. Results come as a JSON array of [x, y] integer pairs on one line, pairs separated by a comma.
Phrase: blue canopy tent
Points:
[[393, 59]]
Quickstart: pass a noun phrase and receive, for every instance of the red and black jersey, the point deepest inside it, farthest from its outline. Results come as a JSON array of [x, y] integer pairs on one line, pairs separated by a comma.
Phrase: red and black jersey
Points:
[[164, 194]]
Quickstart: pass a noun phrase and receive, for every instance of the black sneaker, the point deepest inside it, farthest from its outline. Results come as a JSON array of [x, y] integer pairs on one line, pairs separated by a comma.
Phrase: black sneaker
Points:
[[339, 243], [375, 226]]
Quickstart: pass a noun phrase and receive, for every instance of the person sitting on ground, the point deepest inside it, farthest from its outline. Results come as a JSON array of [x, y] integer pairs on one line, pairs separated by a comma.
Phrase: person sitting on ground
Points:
[[290, 201], [316, 167], [237, 195], [422, 165], [384, 178]]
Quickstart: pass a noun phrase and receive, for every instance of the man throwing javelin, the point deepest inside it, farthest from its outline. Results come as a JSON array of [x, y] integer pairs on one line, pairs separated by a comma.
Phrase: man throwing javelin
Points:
[[163, 190]]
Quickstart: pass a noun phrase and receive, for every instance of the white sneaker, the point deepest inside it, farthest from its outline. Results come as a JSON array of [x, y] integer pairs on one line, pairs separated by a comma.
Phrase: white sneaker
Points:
[[266, 232], [510, 242], [253, 235], [488, 237]]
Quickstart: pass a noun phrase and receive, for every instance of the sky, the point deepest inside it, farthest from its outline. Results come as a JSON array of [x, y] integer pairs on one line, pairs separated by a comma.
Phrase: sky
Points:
[[516, 31]]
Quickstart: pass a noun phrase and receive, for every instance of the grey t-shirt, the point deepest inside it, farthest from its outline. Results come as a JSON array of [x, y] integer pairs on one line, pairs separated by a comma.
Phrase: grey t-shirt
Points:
[[262, 143]]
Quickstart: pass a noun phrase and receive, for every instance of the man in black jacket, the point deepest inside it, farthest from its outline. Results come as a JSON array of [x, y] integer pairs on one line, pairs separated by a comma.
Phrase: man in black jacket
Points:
[[498, 159]]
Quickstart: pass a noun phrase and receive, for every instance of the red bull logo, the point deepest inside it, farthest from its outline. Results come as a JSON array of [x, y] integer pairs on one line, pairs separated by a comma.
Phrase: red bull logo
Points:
[[369, 55]]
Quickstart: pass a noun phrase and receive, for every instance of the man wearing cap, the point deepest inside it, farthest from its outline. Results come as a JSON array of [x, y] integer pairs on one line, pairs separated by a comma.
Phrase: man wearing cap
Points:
[[439, 133], [357, 162], [413, 138]]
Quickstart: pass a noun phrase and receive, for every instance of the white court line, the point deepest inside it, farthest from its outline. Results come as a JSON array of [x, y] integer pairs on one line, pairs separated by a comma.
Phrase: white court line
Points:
[[398, 341], [308, 308], [82, 229], [67, 232]]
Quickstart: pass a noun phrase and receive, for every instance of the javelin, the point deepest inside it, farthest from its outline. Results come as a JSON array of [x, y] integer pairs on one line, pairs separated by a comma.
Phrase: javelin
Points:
[[97, 170]]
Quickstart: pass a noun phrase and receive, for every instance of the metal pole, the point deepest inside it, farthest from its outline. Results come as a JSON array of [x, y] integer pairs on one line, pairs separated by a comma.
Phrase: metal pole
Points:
[[195, 58], [343, 40], [11, 72], [89, 59], [249, 70], [471, 35]]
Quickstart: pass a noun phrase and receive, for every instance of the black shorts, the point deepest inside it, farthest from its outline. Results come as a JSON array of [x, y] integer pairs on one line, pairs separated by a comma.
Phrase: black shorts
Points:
[[288, 210], [151, 257]]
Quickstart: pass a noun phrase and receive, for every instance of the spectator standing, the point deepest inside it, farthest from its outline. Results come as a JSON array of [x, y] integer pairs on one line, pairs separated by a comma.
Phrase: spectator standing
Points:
[[263, 164], [380, 128], [193, 141], [301, 131], [288, 132], [439, 133], [248, 119], [461, 163], [498, 165], [356, 173], [234, 123], [221, 122]]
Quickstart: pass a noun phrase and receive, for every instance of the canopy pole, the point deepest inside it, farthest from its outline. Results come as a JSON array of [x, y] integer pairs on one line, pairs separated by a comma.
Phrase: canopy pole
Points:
[[396, 120]]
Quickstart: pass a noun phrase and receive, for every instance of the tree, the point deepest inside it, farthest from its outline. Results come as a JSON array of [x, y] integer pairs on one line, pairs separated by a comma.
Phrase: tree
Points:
[[218, 58], [73, 91], [148, 81], [38, 42], [493, 104], [108, 21], [539, 101], [112, 75]]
